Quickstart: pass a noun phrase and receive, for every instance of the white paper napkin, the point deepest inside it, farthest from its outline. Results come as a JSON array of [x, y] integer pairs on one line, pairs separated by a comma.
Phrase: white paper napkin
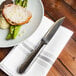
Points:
[[45, 59]]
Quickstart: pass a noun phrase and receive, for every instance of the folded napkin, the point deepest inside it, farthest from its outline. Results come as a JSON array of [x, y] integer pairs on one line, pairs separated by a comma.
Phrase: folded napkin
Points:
[[45, 59]]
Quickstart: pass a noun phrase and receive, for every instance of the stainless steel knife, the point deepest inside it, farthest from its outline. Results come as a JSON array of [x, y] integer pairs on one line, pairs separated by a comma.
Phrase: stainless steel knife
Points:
[[47, 37]]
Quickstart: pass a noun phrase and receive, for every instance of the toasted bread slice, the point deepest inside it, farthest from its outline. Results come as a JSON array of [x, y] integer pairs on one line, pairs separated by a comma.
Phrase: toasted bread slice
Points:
[[16, 15]]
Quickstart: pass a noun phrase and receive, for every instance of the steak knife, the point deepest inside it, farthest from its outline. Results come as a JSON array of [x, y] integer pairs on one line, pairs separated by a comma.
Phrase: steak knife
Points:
[[25, 67]]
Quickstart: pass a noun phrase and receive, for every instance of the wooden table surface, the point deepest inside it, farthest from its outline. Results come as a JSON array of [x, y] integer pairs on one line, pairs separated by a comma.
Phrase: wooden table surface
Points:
[[65, 65]]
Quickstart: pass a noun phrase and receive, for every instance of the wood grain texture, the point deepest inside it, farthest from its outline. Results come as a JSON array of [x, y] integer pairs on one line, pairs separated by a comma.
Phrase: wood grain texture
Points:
[[2, 73], [58, 70], [68, 56], [56, 13], [72, 3], [65, 65], [4, 52]]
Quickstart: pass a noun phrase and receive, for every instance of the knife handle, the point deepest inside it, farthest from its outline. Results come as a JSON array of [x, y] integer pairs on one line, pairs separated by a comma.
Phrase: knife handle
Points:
[[25, 65]]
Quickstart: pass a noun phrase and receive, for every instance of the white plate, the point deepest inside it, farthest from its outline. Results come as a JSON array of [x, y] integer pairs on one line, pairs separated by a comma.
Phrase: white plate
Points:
[[36, 7]]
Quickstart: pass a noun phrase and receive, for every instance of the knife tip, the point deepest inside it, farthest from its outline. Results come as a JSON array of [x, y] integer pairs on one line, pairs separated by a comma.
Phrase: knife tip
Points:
[[60, 21], [63, 18]]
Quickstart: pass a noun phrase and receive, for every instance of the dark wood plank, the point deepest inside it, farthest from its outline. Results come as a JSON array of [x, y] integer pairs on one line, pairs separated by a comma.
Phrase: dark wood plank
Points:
[[72, 3], [4, 52], [58, 70], [57, 13], [68, 56], [2, 73]]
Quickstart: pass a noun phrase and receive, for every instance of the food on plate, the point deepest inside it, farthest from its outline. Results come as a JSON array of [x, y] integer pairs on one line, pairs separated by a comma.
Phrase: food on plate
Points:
[[3, 23], [13, 32], [13, 16], [18, 16]]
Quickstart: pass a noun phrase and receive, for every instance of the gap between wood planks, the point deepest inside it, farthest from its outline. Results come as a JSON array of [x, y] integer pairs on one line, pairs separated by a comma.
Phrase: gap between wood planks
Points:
[[58, 70], [68, 56], [65, 67]]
